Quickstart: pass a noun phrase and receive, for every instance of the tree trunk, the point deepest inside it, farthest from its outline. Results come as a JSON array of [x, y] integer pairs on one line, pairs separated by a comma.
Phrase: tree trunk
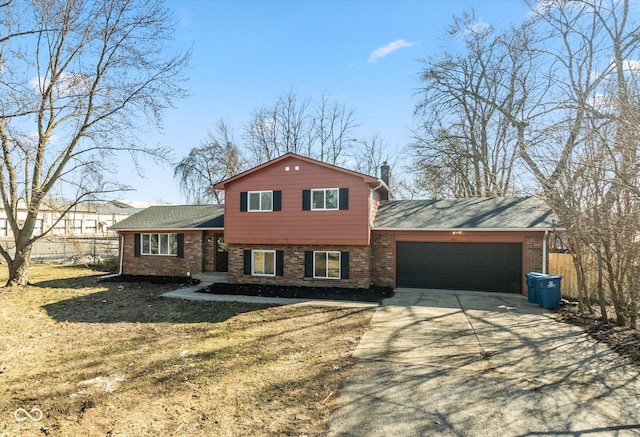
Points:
[[19, 266], [601, 299]]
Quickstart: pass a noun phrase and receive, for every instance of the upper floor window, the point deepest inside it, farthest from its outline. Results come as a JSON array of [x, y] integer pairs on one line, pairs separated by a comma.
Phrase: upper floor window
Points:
[[90, 227], [76, 226], [39, 227], [260, 201], [326, 198], [60, 227], [257, 201], [159, 244]]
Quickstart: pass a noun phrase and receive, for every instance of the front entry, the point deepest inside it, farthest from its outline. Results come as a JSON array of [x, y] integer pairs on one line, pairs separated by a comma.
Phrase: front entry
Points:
[[222, 253]]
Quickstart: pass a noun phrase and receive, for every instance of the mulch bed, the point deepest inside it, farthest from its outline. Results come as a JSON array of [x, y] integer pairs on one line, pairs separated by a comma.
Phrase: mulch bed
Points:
[[373, 294], [624, 340]]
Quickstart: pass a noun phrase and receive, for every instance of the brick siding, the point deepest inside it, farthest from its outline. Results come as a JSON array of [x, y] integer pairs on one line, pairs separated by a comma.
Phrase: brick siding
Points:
[[164, 265], [359, 266], [533, 254], [382, 260]]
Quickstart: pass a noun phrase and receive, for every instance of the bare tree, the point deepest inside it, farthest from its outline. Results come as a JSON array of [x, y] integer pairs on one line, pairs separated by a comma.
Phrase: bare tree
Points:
[[334, 126], [322, 130], [76, 79], [285, 127], [369, 155], [217, 158], [463, 146]]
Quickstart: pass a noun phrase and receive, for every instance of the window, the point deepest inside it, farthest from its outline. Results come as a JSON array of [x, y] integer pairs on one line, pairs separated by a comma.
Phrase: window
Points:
[[326, 265], [76, 226], [38, 227], [263, 263], [324, 199], [3, 227], [90, 227], [60, 228], [159, 244], [260, 201]]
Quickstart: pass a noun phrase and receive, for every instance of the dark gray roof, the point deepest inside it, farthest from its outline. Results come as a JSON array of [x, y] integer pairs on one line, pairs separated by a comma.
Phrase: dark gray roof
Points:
[[174, 217], [482, 213]]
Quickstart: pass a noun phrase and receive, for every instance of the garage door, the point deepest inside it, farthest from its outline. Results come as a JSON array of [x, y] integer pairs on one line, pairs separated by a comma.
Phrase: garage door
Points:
[[460, 266]]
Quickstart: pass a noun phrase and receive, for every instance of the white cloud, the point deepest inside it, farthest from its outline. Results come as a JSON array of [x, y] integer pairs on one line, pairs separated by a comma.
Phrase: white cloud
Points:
[[69, 83], [383, 51], [631, 65]]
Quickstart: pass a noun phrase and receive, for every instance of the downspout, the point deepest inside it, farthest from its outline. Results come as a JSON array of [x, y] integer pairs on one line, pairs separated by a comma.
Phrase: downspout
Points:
[[544, 253], [121, 253]]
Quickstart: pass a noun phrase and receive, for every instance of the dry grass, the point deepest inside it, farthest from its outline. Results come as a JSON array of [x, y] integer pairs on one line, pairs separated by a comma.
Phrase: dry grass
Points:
[[98, 361]]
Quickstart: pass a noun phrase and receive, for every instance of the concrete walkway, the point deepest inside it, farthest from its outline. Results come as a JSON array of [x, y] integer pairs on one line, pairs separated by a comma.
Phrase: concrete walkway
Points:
[[449, 363]]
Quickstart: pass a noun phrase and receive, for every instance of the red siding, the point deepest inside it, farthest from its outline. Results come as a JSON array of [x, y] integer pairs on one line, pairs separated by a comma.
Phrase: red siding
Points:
[[292, 225]]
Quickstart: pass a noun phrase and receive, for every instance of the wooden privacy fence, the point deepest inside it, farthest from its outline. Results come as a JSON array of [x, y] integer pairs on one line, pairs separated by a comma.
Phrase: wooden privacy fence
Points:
[[562, 264]]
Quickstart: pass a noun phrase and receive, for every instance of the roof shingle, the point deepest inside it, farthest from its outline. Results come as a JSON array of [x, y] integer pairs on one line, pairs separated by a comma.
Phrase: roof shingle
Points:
[[483, 213], [174, 217]]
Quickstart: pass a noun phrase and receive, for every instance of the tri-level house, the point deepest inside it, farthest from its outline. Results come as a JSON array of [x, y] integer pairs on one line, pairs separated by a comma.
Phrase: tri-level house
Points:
[[297, 221]]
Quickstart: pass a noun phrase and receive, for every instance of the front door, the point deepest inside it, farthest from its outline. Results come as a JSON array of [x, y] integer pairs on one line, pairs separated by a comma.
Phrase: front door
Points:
[[222, 254]]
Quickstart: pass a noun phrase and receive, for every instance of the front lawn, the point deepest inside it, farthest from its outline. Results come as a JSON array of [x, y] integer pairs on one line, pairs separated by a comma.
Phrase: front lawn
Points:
[[97, 360]]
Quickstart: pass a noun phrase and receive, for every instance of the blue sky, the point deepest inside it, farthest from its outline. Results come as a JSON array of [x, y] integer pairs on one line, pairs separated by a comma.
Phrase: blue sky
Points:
[[247, 53]]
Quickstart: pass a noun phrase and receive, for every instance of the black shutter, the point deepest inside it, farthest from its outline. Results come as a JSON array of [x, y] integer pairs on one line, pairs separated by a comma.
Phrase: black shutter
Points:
[[180, 245], [308, 264], [243, 201], [306, 200], [344, 198], [277, 200], [344, 265], [279, 262], [247, 262], [136, 244]]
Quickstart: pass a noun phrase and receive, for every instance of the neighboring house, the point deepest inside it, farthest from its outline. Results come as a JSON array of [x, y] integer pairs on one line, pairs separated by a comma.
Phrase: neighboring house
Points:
[[84, 219], [297, 221]]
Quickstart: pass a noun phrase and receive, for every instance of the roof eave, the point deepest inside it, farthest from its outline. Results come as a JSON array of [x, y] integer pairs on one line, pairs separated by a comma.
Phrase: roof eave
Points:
[[221, 185], [469, 229], [166, 229]]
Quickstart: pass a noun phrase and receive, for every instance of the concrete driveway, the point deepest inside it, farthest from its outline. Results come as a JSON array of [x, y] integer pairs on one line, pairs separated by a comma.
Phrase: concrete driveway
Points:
[[439, 362]]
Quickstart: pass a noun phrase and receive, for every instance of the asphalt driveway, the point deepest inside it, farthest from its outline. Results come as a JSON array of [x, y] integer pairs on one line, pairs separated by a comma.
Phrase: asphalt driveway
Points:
[[453, 363]]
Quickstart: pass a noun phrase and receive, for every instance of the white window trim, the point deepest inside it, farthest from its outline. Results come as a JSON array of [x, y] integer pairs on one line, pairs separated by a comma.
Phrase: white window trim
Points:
[[327, 252], [260, 197], [142, 252], [253, 267], [324, 190]]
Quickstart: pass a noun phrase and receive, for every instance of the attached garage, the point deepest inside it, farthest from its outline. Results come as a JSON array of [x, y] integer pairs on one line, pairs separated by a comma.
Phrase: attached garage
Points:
[[460, 266], [484, 244]]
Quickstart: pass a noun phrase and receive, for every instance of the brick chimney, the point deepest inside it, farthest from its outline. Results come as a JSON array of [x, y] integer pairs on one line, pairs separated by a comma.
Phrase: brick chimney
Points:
[[385, 174]]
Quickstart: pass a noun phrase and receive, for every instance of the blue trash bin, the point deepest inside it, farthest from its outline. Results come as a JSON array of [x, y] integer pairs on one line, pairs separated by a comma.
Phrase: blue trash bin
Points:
[[532, 286], [549, 290]]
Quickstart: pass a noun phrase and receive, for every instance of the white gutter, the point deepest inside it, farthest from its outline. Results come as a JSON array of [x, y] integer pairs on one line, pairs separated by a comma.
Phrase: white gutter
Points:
[[150, 229], [544, 253], [467, 229]]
